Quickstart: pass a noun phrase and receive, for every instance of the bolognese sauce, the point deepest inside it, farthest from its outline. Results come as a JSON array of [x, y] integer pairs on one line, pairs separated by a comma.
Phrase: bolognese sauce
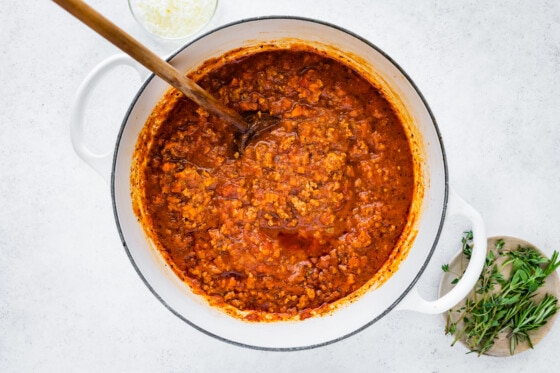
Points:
[[306, 214]]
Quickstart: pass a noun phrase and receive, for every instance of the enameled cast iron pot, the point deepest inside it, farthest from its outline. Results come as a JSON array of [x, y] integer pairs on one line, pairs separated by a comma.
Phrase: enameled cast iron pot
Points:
[[398, 292]]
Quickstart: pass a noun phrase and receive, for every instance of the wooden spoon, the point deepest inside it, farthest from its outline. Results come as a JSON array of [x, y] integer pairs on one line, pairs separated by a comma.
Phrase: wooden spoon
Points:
[[154, 63]]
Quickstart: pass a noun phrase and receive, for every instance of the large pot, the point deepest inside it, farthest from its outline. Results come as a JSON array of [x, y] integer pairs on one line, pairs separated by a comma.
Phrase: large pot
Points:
[[397, 291]]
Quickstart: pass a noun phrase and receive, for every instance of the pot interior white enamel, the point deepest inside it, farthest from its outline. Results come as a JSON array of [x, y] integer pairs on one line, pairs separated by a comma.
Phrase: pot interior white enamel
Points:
[[311, 332]]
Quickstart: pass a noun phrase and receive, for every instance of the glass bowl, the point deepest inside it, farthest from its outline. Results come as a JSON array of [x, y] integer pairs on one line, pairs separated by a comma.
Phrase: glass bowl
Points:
[[173, 19]]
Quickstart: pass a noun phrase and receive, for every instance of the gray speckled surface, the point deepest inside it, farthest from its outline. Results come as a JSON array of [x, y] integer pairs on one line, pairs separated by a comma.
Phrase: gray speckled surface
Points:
[[69, 298]]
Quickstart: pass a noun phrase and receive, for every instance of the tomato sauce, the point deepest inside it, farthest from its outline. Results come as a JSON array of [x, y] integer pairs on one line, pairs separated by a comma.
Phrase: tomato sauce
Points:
[[306, 214]]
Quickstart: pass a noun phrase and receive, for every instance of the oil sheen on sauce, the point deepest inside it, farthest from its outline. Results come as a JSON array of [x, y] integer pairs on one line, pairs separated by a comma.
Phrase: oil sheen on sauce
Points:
[[306, 215]]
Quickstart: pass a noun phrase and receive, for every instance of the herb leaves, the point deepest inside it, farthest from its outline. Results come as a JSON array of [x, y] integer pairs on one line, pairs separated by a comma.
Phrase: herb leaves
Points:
[[503, 300]]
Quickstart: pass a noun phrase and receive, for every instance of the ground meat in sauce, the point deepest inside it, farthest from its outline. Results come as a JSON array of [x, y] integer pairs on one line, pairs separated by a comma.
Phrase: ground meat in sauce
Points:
[[312, 208]]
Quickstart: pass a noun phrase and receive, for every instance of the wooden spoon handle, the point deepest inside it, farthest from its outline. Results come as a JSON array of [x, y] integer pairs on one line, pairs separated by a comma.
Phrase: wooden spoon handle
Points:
[[150, 60]]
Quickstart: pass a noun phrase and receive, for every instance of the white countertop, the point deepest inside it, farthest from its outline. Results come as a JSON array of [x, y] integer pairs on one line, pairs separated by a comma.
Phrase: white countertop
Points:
[[71, 301]]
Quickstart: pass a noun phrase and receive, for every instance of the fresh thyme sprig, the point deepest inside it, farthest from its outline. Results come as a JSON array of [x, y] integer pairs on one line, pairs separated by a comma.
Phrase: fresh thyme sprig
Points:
[[498, 304]]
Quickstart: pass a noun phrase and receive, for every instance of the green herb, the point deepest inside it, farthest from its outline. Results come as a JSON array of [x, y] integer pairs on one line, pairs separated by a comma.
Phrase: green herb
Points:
[[497, 304]]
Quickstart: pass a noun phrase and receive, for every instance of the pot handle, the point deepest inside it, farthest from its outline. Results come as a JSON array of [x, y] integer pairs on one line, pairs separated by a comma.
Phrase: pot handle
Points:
[[100, 162], [415, 302]]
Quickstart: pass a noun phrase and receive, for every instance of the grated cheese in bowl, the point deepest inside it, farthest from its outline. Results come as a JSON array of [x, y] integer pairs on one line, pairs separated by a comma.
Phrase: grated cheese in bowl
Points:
[[173, 19]]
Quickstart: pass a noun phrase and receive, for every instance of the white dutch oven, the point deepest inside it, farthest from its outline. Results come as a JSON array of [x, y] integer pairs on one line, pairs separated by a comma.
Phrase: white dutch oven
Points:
[[398, 292]]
